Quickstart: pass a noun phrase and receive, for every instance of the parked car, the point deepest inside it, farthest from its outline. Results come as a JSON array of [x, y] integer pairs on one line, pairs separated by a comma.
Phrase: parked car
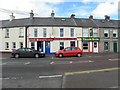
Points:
[[27, 52], [69, 51]]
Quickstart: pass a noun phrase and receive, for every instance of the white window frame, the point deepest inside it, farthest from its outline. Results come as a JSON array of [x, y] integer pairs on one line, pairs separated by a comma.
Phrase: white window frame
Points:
[[95, 33], [61, 32], [115, 32], [44, 32], [7, 33], [72, 32], [14, 45], [21, 44], [21, 32], [106, 32], [85, 32], [6, 45], [35, 32]]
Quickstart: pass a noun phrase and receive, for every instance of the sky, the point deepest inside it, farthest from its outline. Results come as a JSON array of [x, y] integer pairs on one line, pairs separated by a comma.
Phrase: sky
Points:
[[62, 8]]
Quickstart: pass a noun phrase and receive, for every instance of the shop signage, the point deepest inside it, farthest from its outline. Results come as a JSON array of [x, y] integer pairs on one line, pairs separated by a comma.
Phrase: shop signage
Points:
[[89, 39]]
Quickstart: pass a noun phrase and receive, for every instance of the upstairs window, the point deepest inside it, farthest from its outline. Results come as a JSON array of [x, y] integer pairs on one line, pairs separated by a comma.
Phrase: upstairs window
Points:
[[21, 32], [72, 32], [35, 32], [6, 33], [115, 34], [95, 33], [44, 32], [14, 45], [85, 32], [106, 33], [6, 45], [61, 32]]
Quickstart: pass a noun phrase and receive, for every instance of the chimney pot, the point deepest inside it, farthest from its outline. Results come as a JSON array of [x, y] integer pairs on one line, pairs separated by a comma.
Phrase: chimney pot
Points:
[[52, 14], [91, 17], [31, 14], [72, 16], [12, 17], [107, 18]]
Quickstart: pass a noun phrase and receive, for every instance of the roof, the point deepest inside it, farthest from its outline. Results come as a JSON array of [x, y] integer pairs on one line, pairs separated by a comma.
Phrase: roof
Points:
[[58, 21]]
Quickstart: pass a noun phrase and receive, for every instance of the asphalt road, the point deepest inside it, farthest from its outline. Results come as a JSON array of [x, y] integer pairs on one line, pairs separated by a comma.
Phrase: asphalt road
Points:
[[89, 71]]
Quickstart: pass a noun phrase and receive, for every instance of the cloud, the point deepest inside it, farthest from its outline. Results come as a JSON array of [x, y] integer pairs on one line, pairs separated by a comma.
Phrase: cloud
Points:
[[106, 8]]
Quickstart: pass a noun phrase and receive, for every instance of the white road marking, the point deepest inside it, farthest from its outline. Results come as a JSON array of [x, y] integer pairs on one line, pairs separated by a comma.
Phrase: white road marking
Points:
[[53, 76], [70, 62], [27, 63], [114, 59], [4, 78]]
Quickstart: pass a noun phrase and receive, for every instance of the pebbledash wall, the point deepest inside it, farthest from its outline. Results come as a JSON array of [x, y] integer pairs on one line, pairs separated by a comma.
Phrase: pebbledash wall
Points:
[[53, 33]]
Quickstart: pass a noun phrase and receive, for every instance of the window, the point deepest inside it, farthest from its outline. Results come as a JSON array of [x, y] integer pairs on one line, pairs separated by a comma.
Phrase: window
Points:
[[72, 32], [21, 33], [32, 45], [115, 33], [68, 49], [74, 48], [6, 45], [6, 33], [85, 45], [61, 32], [95, 33], [106, 33], [21, 44], [14, 45], [61, 45], [44, 32], [72, 43], [85, 33], [35, 32], [106, 45]]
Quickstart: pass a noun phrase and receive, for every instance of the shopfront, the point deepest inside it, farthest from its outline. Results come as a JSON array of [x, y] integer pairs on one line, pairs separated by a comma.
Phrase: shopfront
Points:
[[89, 44]]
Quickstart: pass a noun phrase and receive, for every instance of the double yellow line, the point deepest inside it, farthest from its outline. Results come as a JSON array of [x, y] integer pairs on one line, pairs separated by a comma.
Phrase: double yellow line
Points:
[[92, 71]]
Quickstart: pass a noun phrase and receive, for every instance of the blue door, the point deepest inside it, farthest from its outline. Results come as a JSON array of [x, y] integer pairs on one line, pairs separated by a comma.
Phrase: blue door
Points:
[[47, 47]]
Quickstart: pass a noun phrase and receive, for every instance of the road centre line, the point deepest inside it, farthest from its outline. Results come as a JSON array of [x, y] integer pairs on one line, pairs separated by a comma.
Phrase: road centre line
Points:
[[91, 71], [114, 59], [53, 76]]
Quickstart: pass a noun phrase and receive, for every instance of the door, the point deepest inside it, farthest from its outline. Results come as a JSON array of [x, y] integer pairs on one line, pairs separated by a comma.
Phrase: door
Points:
[[40, 46], [95, 47], [115, 47], [47, 47]]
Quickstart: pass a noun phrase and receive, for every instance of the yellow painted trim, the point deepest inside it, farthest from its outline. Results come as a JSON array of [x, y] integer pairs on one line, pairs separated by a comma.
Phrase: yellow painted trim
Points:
[[91, 71]]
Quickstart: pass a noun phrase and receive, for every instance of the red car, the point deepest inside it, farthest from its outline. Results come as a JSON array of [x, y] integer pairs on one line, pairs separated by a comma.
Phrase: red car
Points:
[[69, 51]]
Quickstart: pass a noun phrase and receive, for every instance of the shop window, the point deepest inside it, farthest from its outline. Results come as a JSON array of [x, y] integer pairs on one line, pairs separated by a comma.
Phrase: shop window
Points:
[[106, 33], [44, 32], [61, 45], [72, 43], [72, 32], [6, 33], [85, 32], [21, 44], [32, 45], [115, 33], [106, 44], [61, 32], [14, 45], [95, 44], [85, 45], [35, 32]]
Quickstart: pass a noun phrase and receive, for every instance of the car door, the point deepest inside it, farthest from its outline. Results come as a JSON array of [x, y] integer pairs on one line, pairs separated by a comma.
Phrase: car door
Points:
[[67, 51], [29, 52], [22, 52], [74, 51]]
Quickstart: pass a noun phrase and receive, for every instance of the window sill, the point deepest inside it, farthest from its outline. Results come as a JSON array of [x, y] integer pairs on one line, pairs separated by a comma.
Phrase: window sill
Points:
[[21, 36], [6, 36], [6, 49]]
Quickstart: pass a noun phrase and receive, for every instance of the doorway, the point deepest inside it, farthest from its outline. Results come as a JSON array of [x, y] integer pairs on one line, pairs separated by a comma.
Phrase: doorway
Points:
[[115, 47], [40, 46], [47, 47]]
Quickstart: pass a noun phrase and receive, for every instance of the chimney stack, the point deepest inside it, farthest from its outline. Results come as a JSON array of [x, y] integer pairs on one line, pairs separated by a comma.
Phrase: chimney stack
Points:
[[52, 14], [72, 16], [12, 17], [107, 18], [91, 17], [31, 14]]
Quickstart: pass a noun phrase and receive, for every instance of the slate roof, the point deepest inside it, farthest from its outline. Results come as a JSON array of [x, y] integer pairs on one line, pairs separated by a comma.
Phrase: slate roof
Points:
[[57, 21]]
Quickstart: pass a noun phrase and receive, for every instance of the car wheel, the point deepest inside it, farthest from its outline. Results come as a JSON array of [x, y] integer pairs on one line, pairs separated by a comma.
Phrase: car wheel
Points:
[[79, 54], [16, 55], [36, 55], [60, 55]]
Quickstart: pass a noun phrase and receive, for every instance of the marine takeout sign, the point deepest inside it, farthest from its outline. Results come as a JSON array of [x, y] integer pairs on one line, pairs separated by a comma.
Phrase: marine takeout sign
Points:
[[89, 39]]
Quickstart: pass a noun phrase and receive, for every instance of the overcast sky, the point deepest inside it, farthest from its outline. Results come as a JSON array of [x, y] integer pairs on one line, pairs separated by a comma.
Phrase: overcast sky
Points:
[[62, 8]]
